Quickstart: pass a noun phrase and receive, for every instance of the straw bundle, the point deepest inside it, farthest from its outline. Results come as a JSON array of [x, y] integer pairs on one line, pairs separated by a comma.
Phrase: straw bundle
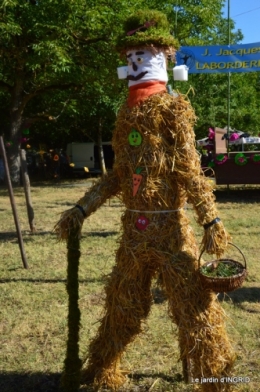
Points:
[[93, 199], [169, 165], [204, 344], [203, 341]]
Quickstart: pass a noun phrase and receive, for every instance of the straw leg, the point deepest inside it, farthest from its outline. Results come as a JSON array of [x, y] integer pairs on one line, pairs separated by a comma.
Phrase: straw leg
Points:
[[128, 302], [205, 349]]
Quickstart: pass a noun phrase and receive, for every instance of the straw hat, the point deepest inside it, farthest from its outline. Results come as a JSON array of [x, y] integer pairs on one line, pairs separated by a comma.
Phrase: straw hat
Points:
[[147, 28]]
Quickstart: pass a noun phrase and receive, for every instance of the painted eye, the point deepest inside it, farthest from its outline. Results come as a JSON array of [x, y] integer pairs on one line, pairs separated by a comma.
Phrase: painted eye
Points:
[[139, 60], [143, 222], [139, 220]]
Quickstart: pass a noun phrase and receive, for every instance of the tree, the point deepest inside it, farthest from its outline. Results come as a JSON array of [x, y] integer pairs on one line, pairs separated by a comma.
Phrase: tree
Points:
[[204, 24], [58, 66], [47, 47]]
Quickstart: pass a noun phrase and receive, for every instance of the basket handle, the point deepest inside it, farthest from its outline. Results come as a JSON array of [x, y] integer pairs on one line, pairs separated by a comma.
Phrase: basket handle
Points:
[[229, 243], [208, 168]]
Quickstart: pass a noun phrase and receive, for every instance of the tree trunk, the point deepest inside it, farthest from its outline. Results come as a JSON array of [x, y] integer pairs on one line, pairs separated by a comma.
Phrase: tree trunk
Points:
[[27, 191], [14, 164], [100, 150], [16, 119]]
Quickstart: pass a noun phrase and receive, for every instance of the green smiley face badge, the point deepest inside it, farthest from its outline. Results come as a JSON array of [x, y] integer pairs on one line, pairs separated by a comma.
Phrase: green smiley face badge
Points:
[[134, 138]]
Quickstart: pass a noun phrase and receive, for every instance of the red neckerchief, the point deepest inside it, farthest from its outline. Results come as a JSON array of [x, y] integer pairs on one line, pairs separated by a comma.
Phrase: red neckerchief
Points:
[[140, 92]]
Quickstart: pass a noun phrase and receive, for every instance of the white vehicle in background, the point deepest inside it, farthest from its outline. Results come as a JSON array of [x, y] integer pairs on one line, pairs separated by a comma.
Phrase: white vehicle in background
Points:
[[84, 157]]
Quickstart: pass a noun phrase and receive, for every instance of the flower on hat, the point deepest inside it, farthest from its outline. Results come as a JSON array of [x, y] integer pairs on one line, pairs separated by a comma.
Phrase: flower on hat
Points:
[[147, 29]]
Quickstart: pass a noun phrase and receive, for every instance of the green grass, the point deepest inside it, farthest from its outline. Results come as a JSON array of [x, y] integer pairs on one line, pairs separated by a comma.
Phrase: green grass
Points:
[[33, 323]]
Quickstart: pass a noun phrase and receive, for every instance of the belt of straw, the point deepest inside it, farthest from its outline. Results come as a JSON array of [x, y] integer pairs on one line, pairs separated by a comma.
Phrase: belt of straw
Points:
[[154, 212]]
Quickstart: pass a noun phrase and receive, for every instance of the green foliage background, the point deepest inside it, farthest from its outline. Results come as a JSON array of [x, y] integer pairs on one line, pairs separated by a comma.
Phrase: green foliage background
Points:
[[58, 68]]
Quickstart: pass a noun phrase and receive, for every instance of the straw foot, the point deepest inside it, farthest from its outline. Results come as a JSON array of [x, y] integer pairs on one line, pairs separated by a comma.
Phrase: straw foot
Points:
[[109, 378]]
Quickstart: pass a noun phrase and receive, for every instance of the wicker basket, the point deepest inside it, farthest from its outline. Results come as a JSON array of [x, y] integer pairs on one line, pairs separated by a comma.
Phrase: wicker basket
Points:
[[224, 284]]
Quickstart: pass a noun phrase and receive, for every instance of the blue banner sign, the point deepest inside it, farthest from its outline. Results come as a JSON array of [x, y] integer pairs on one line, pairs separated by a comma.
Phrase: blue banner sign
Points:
[[215, 59]]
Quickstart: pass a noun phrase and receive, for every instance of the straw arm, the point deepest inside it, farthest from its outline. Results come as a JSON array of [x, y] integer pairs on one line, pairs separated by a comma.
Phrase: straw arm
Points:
[[93, 199], [105, 188], [187, 168], [200, 194], [187, 173], [215, 239]]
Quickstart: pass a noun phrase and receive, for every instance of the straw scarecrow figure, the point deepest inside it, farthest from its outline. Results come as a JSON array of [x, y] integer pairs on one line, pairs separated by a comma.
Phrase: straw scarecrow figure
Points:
[[156, 171]]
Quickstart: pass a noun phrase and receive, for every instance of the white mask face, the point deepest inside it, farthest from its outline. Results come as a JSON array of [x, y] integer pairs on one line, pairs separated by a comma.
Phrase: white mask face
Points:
[[143, 66]]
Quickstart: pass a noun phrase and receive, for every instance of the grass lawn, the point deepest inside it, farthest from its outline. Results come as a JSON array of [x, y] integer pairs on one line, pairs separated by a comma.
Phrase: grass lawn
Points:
[[33, 322]]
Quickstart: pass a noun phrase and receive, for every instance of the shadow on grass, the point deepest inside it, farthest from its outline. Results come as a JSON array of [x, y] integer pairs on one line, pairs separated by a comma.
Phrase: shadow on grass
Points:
[[243, 294], [50, 382], [237, 297], [100, 234], [142, 382], [29, 382], [11, 235], [8, 236], [170, 379], [42, 281], [238, 194]]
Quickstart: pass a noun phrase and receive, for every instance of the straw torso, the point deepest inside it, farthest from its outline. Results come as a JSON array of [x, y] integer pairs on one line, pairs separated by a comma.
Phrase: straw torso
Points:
[[158, 156]]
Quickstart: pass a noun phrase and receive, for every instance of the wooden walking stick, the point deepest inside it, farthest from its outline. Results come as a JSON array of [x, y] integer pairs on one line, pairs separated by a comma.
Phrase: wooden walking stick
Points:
[[70, 381]]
